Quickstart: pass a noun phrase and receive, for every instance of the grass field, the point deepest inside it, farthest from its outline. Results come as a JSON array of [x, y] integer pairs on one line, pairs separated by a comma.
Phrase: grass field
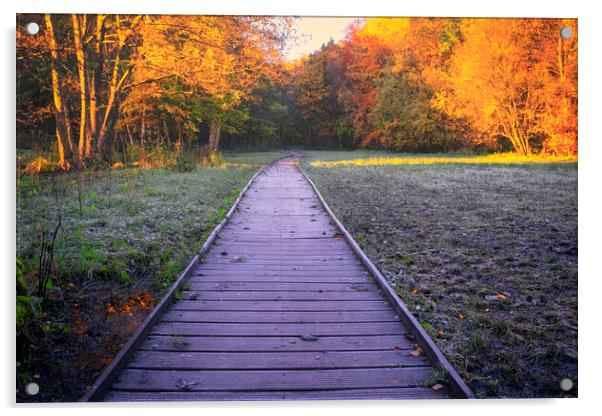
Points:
[[484, 255], [115, 254]]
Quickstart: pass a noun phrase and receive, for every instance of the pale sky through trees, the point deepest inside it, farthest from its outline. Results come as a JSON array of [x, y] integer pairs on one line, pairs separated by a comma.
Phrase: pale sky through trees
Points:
[[315, 31]]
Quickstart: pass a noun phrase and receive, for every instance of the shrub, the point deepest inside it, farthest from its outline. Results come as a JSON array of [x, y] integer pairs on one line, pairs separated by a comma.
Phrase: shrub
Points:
[[40, 165], [21, 286], [185, 162]]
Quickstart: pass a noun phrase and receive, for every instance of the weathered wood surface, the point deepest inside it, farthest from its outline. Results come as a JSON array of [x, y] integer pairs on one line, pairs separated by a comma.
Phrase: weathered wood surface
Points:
[[279, 308]]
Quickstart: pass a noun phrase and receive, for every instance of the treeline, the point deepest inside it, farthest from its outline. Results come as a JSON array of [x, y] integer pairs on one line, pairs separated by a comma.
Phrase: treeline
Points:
[[109, 87], [106, 84], [441, 84]]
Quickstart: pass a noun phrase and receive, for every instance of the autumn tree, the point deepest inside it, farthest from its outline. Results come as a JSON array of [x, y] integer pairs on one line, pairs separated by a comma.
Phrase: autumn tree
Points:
[[88, 62], [507, 78], [210, 62], [320, 79]]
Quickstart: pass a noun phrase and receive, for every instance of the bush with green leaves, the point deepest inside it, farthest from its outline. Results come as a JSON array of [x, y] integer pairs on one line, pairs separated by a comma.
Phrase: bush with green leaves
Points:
[[406, 121], [185, 162]]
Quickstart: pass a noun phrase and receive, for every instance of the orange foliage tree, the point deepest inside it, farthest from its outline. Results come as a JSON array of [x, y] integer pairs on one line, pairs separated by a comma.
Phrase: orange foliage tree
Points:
[[199, 68], [517, 79]]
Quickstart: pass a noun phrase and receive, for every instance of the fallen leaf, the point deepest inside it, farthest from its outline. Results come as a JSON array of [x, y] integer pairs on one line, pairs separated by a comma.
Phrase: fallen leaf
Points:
[[185, 384], [414, 290], [501, 296], [437, 386], [417, 352], [309, 338], [461, 316]]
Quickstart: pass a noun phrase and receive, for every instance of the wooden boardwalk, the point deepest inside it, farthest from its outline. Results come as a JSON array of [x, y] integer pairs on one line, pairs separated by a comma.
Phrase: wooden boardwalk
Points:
[[281, 307]]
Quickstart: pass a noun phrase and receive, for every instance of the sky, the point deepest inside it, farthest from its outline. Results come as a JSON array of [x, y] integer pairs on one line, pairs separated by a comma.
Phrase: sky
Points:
[[313, 32]]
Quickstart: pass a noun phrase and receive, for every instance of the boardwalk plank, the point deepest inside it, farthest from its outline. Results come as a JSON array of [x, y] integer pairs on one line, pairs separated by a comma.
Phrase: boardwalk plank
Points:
[[280, 317], [286, 287], [275, 360], [168, 380], [276, 329], [274, 343], [240, 278], [300, 306], [281, 273], [308, 295], [355, 394]]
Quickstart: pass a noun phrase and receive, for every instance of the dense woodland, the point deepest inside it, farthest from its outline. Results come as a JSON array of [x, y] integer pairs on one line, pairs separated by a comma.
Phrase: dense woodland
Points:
[[106, 89]]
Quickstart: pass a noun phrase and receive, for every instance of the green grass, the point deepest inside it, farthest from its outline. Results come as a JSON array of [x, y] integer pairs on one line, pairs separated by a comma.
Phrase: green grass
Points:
[[485, 256], [252, 158]]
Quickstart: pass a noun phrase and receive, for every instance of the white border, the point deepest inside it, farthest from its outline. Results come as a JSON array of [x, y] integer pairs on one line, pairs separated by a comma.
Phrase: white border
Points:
[[590, 151]]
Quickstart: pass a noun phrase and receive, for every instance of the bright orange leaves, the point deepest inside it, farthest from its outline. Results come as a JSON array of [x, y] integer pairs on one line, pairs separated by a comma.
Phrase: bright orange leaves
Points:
[[134, 304], [501, 84]]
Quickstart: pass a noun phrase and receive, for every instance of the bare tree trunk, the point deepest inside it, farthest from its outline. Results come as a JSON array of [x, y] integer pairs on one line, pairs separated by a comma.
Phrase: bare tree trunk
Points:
[[94, 84], [116, 81], [110, 102], [61, 115], [79, 54], [214, 135], [179, 140]]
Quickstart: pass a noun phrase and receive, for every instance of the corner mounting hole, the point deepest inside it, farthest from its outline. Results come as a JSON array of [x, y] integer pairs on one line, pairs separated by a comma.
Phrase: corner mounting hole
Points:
[[566, 384], [32, 28], [566, 32]]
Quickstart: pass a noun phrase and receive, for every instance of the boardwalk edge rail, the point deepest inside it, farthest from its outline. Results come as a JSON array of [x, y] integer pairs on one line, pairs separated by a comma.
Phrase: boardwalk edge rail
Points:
[[457, 386], [97, 390]]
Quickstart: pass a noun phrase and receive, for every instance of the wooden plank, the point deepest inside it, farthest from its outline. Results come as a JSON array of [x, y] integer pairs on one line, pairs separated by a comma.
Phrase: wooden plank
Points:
[[416, 393], [266, 344], [283, 261], [154, 360], [168, 380], [280, 317], [314, 267], [281, 273], [287, 287], [281, 250], [276, 329], [286, 258], [276, 239], [282, 296], [299, 306], [308, 243], [242, 278]]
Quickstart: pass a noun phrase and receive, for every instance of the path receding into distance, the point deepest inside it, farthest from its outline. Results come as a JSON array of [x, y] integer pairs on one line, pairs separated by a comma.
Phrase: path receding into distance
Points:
[[280, 308]]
